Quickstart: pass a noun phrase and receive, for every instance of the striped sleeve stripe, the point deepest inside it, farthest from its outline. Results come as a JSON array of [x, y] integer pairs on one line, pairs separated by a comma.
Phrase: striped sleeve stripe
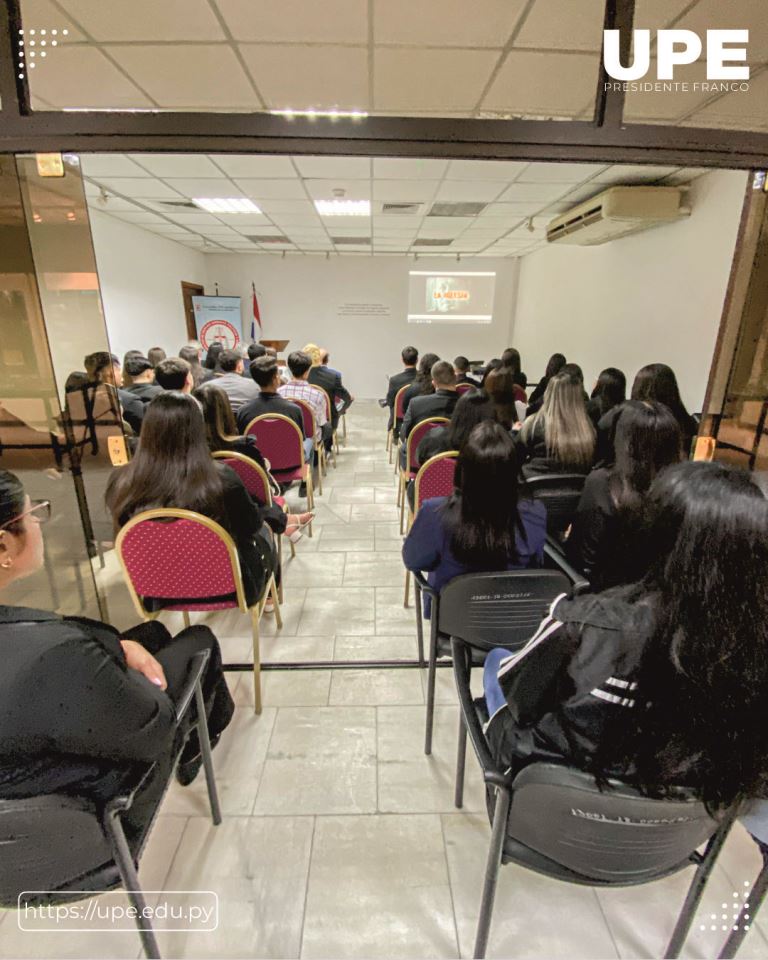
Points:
[[548, 625], [612, 698]]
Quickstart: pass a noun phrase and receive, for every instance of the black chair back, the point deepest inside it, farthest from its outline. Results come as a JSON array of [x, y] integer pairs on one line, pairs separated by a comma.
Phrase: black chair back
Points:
[[560, 493], [617, 836], [48, 843], [498, 609]]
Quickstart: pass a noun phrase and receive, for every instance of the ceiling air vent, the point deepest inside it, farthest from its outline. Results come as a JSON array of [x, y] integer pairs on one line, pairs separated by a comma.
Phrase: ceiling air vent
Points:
[[270, 238], [401, 208], [456, 209], [352, 241], [433, 243], [178, 204]]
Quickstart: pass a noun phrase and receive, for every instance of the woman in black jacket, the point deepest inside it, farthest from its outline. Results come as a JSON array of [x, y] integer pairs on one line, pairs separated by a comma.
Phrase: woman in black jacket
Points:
[[554, 365], [422, 384], [173, 467], [604, 539], [80, 703], [662, 683], [610, 390]]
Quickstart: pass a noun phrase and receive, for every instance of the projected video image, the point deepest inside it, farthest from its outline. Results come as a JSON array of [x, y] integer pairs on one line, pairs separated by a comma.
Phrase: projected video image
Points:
[[451, 297]]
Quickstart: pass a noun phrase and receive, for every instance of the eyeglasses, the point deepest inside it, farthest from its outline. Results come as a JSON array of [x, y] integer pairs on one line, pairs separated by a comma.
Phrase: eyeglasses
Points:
[[40, 510]]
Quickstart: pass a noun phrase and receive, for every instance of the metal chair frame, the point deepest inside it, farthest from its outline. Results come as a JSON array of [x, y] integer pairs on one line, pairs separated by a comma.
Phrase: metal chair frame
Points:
[[405, 474], [391, 434], [319, 448]]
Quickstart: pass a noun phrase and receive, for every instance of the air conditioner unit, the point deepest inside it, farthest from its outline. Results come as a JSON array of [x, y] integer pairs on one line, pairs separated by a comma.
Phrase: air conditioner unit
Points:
[[617, 212]]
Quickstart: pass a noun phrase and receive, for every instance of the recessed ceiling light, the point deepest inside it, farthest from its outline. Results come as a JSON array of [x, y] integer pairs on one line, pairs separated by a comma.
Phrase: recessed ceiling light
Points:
[[312, 114], [343, 208], [226, 205]]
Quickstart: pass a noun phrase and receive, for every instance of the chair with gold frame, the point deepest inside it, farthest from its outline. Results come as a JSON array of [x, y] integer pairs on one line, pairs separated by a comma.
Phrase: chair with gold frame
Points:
[[417, 434], [311, 429], [397, 418], [168, 553], [282, 443]]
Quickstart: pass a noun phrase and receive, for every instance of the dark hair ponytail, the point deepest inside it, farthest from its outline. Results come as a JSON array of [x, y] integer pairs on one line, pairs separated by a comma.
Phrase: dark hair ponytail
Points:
[[11, 500]]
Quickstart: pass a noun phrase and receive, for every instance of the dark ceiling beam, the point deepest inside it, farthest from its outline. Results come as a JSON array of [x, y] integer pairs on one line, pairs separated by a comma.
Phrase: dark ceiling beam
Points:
[[609, 102]]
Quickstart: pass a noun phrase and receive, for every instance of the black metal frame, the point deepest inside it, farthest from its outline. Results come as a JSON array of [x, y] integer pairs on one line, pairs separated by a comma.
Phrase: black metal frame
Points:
[[604, 139]]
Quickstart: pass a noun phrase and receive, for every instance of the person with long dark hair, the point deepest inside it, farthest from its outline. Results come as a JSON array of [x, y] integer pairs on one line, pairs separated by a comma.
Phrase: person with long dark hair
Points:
[[610, 390], [211, 361], [505, 394], [605, 541], [661, 683], [554, 365], [422, 384], [471, 408], [510, 360], [173, 467], [559, 438], [485, 524], [80, 702], [222, 434]]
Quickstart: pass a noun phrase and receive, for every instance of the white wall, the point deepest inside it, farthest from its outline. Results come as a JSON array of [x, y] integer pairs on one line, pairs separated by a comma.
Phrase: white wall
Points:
[[140, 276], [299, 299], [656, 297]]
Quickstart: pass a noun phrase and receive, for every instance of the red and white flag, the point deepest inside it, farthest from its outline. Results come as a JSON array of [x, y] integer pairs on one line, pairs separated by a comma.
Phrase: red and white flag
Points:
[[256, 314]]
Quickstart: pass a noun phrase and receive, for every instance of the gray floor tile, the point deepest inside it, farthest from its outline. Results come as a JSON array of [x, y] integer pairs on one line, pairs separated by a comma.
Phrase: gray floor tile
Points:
[[373, 570], [374, 648], [373, 687], [315, 570], [346, 611]]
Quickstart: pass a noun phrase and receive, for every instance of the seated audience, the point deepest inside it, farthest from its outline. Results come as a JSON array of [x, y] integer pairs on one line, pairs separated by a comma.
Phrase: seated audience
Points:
[[127, 379], [510, 360], [298, 388], [221, 434], [656, 381], [239, 390], [211, 361], [437, 404], [461, 369], [661, 683], [106, 369], [155, 355], [610, 390], [80, 702], [604, 543], [485, 524], [191, 354], [470, 410], [505, 395], [397, 381], [329, 380], [266, 375], [173, 467], [554, 365], [559, 438], [492, 365], [255, 350], [422, 383], [142, 376], [174, 374]]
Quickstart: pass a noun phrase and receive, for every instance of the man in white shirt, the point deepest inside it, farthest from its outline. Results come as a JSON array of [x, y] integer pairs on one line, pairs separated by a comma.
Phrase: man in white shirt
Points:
[[300, 364], [238, 389]]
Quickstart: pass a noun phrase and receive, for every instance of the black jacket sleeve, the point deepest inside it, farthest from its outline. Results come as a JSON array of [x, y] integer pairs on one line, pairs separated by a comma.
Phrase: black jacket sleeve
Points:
[[243, 517], [343, 394], [592, 524]]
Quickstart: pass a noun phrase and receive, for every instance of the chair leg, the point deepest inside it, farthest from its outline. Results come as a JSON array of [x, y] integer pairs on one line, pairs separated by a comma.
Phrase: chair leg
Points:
[[205, 749], [419, 621], [747, 913], [256, 661], [277, 600], [500, 817], [407, 587], [293, 548], [461, 763], [319, 473], [399, 488], [696, 889], [431, 680], [185, 615], [280, 564], [402, 507], [310, 497], [344, 429], [130, 880]]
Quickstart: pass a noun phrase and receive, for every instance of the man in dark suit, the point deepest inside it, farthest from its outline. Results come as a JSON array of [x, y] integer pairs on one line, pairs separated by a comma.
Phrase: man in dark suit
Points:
[[437, 404], [330, 381], [265, 372], [461, 368], [410, 357]]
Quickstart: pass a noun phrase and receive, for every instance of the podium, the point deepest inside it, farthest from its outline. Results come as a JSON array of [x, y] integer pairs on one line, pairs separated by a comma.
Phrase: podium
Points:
[[278, 345]]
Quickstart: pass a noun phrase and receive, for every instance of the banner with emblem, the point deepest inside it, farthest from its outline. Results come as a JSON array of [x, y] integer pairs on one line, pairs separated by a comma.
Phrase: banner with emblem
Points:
[[218, 320]]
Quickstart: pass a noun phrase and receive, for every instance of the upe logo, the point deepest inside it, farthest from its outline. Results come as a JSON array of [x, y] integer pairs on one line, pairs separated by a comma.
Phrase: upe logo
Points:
[[677, 48]]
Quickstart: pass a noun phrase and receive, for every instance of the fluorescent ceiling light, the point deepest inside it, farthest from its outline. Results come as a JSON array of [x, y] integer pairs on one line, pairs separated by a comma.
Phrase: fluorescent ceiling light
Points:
[[343, 208], [224, 205], [333, 114]]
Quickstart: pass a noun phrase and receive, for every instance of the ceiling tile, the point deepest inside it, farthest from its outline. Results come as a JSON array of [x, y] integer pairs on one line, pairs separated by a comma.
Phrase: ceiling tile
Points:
[[406, 168], [732, 15], [113, 205], [176, 165], [485, 170], [81, 76], [745, 111], [42, 14], [629, 173], [302, 78], [146, 19], [297, 220], [656, 14], [239, 166], [200, 75], [353, 189], [395, 222], [563, 25], [245, 221], [272, 189], [287, 206], [404, 191], [531, 192], [430, 80], [334, 21], [668, 105], [139, 188], [207, 187], [446, 23], [110, 165], [193, 219], [342, 168], [560, 172], [140, 216], [544, 84], [686, 175], [510, 211], [480, 191], [363, 224]]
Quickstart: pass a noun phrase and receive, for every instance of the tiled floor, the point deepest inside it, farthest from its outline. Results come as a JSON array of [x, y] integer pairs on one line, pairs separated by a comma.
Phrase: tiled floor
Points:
[[340, 838]]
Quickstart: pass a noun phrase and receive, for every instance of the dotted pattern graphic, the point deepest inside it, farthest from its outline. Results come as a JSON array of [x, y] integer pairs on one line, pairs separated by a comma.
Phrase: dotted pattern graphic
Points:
[[437, 480], [34, 46], [720, 921]]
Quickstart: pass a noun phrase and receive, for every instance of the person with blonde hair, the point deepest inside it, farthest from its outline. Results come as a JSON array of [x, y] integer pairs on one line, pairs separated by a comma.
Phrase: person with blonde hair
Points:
[[560, 438], [315, 353], [320, 375]]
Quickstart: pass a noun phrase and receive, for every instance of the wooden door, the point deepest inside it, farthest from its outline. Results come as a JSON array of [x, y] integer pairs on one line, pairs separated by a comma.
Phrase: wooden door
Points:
[[189, 290]]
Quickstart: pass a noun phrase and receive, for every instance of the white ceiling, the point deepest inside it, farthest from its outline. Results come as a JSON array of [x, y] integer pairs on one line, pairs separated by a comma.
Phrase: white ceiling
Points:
[[519, 200], [450, 58]]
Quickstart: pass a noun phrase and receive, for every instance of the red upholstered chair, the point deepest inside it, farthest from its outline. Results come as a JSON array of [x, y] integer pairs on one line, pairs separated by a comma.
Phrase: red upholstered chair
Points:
[[434, 479], [462, 388], [168, 554], [311, 430], [415, 437], [399, 414], [281, 442]]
